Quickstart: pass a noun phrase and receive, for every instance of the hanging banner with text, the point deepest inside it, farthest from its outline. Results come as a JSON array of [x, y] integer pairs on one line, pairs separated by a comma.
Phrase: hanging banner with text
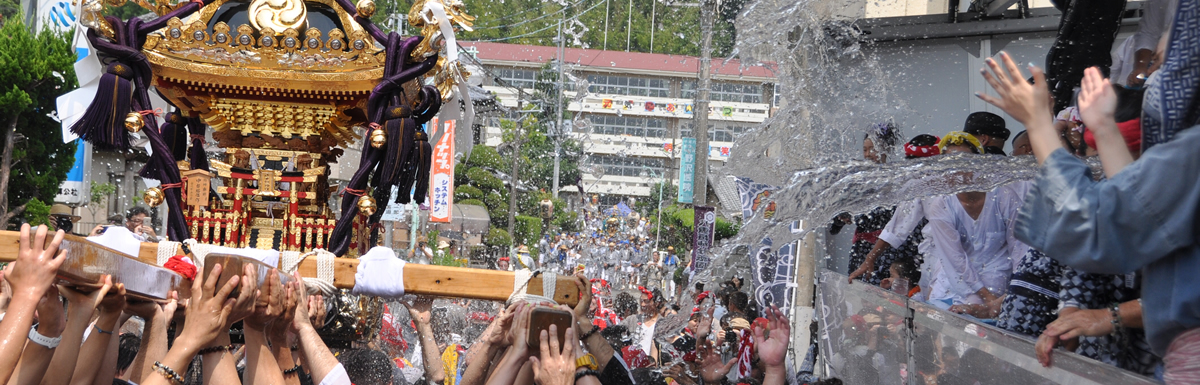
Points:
[[702, 238], [687, 169], [441, 187]]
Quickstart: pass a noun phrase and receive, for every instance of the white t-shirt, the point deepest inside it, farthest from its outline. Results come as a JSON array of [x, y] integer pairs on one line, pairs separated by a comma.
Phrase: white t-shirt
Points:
[[337, 376], [971, 253]]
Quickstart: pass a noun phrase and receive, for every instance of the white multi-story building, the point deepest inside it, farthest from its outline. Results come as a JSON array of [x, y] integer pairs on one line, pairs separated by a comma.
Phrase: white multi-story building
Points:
[[637, 108]]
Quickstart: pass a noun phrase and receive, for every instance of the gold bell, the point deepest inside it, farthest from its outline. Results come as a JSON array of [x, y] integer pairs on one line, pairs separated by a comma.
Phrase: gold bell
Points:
[[366, 205], [134, 122], [378, 138], [366, 8], [153, 196]]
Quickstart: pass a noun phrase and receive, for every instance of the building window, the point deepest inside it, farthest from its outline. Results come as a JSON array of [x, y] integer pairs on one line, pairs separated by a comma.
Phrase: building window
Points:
[[628, 125], [517, 77], [717, 132], [626, 85], [615, 165], [726, 92]]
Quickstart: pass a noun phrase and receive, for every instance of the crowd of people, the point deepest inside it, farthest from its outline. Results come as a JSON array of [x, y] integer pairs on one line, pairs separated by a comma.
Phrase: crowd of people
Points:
[[1095, 262], [56, 334], [1070, 257]]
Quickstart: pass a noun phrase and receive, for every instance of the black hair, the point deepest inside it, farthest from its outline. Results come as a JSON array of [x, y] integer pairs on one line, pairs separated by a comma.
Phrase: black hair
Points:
[[367, 367], [1019, 135], [884, 131], [739, 300], [625, 304], [1129, 103], [907, 269], [993, 150], [127, 349], [617, 336], [133, 212]]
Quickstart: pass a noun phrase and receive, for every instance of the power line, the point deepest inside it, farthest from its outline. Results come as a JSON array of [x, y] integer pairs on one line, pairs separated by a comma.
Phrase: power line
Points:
[[543, 29], [523, 22]]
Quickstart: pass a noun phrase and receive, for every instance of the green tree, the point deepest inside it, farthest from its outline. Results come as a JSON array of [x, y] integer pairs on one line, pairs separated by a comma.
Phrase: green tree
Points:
[[34, 71], [675, 23]]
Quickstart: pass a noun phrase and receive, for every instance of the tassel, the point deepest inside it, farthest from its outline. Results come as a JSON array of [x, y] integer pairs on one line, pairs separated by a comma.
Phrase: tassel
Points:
[[196, 155], [175, 134], [424, 160], [103, 124], [408, 176]]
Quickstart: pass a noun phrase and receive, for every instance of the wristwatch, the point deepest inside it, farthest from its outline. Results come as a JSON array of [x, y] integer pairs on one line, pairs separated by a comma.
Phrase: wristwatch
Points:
[[587, 361]]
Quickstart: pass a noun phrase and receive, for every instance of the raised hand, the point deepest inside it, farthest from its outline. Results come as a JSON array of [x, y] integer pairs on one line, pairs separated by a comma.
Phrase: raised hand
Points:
[[496, 333], [1030, 104], [421, 308], [583, 316], [555, 366], [243, 306], [772, 351], [1021, 100], [704, 325], [277, 331], [1097, 102], [209, 308], [51, 319], [37, 263], [712, 370], [82, 304], [270, 303]]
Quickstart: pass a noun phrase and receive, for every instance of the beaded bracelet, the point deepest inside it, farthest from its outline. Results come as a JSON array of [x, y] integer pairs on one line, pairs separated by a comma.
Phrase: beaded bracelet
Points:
[[170, 374], [1115, 309], [102, 331], [589, 333], [216, 349], [293, 370]]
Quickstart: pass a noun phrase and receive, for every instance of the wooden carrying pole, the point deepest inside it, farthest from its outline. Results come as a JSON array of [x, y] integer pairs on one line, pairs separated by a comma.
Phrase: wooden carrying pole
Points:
[[442, 281]]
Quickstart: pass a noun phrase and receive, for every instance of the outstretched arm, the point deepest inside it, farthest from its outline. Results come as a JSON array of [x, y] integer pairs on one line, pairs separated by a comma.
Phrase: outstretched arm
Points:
[[30, 277]]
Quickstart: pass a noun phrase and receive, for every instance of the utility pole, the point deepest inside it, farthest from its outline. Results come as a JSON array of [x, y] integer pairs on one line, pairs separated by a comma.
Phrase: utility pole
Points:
[[606, 15], [653, 19], [629, 26], [512, 177], [558, 127], [708, 12]]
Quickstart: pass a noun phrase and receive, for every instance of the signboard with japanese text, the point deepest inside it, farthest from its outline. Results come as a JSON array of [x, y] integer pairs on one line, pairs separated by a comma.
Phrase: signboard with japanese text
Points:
[[75, 189], [395, 211], [687, 169], [441, 185], [705, 221]]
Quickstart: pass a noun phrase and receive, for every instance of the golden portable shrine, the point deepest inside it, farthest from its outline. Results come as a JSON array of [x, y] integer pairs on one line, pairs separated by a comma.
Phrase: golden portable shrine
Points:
[[282, 86]]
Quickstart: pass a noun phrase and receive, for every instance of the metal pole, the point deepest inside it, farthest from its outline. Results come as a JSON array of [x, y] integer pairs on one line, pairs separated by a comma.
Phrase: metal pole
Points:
[[512, 179], [606, 15], [558, 131], [388, 228], [653, 19], [628, 26], [662, 185], [708, 12]]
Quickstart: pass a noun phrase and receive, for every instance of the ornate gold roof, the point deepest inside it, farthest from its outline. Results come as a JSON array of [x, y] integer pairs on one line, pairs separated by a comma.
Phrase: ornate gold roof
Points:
[[323, 63]]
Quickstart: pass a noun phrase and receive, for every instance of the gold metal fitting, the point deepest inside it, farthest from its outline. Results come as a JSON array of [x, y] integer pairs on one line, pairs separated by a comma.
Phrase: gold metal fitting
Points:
[[134, 122]]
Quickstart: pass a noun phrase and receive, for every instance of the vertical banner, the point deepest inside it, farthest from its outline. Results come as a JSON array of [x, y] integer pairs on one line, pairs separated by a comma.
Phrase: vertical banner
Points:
[[687, 169], [702, 238], [75, 189], [773, 273], [441, 194]]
